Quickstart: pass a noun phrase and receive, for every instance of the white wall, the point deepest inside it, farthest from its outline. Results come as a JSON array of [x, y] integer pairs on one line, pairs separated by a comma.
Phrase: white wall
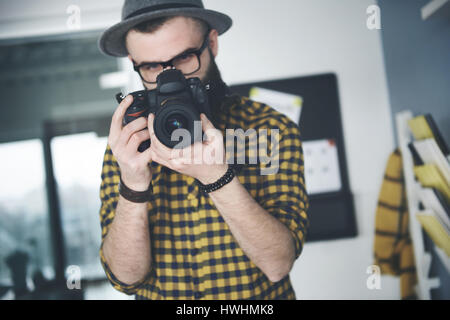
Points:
[[25, 18], [278, 39]]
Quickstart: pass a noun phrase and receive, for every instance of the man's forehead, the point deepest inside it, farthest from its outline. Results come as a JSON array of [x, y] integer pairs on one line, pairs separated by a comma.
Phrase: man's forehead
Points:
[[171, 39]]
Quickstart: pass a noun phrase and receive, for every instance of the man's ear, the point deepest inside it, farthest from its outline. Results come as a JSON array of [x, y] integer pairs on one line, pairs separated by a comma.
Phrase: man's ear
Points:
[[214, 42]]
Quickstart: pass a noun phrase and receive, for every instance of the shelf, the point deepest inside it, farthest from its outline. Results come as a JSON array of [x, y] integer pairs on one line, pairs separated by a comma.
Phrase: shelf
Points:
[[422, 257], [443, 257], [436, 8]]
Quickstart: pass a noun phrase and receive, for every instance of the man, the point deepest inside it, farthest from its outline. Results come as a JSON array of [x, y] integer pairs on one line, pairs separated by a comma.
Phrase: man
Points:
[[196, 231]]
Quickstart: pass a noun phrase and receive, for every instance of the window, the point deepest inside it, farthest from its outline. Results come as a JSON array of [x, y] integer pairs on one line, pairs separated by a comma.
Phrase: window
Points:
[[77, 164], [25, 249]]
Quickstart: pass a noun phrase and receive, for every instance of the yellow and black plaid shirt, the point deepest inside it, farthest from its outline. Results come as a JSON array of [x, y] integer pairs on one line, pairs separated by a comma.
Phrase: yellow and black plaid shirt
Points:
[[393, 249], [194, 254]]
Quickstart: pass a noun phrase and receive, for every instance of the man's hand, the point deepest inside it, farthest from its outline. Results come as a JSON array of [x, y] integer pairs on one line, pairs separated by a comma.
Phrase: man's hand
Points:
[[204, 161], [124, 143]]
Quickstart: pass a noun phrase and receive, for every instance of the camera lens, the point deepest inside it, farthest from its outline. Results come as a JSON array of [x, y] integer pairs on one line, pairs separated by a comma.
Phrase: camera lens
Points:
[[177, 115], [176, 121]]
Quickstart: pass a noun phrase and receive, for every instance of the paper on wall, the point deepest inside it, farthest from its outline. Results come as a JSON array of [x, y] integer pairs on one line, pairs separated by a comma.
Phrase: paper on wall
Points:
[[288, 104], [322, 172]]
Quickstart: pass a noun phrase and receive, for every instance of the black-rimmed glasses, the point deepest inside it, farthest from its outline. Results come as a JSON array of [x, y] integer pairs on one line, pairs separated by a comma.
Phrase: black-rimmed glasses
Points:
[[188, 63]]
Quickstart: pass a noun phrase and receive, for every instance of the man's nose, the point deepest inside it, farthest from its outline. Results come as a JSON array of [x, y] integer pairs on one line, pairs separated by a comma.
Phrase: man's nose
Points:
[[166, 67]]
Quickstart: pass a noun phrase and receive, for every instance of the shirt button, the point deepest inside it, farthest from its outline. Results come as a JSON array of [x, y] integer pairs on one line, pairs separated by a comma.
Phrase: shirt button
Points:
[[190, 196]]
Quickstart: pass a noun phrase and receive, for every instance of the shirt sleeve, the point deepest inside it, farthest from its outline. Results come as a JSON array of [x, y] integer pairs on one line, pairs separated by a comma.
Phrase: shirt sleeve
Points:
[[283, 193], [109, 196]]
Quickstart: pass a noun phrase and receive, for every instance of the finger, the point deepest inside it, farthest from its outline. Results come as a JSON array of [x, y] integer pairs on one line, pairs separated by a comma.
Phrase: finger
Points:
[[176, 153], [137, 138], [145, 156], [131, 128], [211, 133], [150, 120], [186, 155], [116, 122], [178, 162], [206, 124], [157, 158]]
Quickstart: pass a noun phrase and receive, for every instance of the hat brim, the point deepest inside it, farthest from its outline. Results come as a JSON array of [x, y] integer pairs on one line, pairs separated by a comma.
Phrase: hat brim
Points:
[[112, 41]]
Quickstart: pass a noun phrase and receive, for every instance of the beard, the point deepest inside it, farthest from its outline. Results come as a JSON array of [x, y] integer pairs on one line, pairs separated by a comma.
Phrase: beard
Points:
[[212, 72], [218, 91]]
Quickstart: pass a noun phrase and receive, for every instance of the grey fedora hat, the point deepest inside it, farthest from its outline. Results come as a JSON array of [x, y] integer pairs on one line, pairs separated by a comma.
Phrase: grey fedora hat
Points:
[[112, 41]]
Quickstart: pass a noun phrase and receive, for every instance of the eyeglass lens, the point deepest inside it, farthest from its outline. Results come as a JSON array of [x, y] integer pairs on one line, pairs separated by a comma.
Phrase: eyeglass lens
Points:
[[186, 63]]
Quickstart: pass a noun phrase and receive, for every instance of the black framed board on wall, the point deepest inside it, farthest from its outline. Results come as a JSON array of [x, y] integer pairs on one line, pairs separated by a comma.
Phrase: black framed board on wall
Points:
[[331, 211]]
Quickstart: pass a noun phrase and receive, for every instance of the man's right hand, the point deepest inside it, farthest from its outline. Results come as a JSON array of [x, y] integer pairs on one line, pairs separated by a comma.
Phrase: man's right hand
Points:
[[124, 143]]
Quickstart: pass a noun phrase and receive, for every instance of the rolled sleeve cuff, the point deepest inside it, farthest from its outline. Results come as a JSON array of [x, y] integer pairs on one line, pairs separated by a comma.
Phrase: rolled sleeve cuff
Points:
[[296, 221], [129, 289], [298, 233], [298, 237]]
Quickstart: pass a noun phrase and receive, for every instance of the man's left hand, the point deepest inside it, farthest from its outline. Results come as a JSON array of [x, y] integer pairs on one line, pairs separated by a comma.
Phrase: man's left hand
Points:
[[203, 160]]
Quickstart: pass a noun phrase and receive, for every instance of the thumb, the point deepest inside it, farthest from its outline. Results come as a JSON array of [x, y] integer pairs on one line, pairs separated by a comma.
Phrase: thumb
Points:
[[206, 124], [146, 156]]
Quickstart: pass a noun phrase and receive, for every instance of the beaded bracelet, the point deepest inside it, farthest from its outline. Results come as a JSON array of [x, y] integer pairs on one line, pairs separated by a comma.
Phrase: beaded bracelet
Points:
[[225, 179]]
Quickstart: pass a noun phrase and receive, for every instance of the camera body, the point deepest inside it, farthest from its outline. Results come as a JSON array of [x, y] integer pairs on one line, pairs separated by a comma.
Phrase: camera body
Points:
[[176, 103]]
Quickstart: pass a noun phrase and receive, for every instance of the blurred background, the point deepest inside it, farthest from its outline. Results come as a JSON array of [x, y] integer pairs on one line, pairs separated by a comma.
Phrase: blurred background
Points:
[[57, 98]]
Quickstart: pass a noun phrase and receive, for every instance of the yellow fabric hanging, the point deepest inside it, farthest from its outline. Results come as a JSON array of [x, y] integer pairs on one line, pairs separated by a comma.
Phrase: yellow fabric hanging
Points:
[[393, 248]]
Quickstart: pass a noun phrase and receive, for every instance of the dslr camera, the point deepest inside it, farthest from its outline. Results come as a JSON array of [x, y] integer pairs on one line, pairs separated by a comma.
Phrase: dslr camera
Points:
[[176, 103]]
